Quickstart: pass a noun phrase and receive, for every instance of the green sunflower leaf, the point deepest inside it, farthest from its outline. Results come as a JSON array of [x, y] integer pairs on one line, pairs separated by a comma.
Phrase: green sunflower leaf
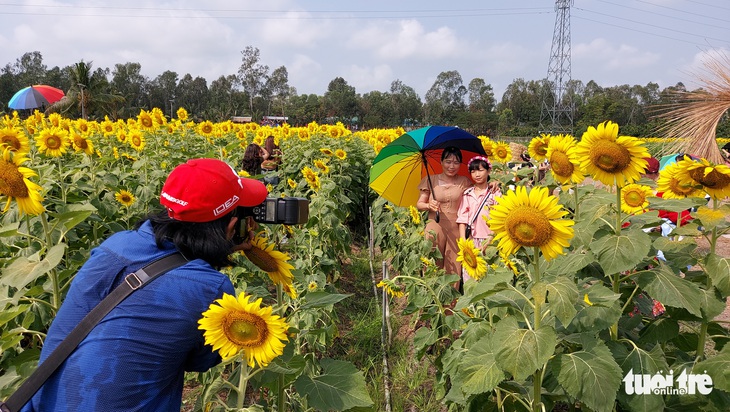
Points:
[[642, 362], [719, 271], [592, 376], [339, 387], [522, 351], [619, 253], [562, 296], [671, 290]]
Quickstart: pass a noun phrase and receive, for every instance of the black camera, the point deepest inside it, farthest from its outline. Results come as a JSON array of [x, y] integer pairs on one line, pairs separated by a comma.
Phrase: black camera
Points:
[[279, 210]]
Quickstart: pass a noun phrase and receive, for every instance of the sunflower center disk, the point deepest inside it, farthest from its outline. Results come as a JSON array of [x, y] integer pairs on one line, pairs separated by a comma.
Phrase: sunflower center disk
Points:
[[11, 181], [634, 199], [12, 142], [610, 157], [527, 226], [561, 165], [245, 329], [679, 188], [715, 180], [53, 142], [262, 259], [470, 259]]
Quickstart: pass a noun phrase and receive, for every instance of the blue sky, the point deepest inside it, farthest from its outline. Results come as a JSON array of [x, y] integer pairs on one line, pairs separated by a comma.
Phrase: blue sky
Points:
[[372, 43]]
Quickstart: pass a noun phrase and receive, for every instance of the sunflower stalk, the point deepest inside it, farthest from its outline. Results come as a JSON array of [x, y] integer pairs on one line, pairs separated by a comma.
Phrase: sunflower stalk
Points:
[[53, 274], [702, 338], [537, 376], [242, 383], [617, 275]]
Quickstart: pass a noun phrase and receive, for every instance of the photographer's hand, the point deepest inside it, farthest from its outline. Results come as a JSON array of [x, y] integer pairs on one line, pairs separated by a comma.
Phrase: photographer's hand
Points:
[[251, 227]]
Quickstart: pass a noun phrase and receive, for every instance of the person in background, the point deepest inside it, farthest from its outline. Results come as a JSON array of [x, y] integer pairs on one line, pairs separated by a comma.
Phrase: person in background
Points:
[[271, 155], [135, 359], [475, 205], [252, 158], [441, 197]]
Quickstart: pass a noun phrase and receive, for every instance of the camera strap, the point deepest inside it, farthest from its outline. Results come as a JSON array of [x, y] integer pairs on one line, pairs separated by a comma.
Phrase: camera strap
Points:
[[132, 282]]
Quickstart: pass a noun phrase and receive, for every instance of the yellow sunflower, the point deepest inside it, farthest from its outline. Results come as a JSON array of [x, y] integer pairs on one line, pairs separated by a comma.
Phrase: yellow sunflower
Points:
[[122, 135], [136, 139], [415, 215], [714, 178], [53, 142], [311, 177], [673, 185], [182, 114], [273, 262], [340, 154], [82, 144], [564, 163], [522, 219], [303, 135], [292, 184], [392, 288], [321, 164], [501, 152], [326, 151], [538, 147], [471, 260], [14, 139], [238, 325], [487, 144], [15, 184], [145, 120], [125, 197], [108, 127], [635, 198], [206, 128], [610, 158], [82, 125]]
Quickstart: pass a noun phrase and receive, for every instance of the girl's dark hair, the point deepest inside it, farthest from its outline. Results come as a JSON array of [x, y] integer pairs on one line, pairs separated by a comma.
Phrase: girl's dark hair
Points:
[[451, 150], [270, 145], [195, 240], [474, 164], [252, 159]]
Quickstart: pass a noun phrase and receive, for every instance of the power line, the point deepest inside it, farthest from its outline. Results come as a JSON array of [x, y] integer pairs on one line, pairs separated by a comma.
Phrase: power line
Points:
[[660, 14], [641, 31], [653, 25], [683, 11], [707, 4]]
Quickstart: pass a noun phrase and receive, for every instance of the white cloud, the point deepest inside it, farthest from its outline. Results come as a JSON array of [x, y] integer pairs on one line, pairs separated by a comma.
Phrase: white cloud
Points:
[[294, 29], [370, 78], [407, 39], [611, 57]]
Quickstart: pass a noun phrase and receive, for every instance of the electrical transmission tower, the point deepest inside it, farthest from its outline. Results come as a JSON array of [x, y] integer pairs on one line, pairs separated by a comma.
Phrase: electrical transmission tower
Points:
[[556, 115]]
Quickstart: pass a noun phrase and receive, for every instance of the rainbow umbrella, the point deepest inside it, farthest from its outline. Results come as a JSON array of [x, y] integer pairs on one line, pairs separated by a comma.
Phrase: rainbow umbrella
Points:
[[399, 167], [35, 96]]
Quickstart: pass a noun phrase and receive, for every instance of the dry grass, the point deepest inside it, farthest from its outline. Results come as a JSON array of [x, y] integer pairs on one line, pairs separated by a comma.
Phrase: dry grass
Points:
[[694, 115]]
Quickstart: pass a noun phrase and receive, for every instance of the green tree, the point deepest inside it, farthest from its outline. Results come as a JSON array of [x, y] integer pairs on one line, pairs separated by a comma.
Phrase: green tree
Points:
[[445, 98], [128, 81], [89, 93], [162, 92], [252, 74], [278, 86], [340, 101], [406, 105], [192, 94]]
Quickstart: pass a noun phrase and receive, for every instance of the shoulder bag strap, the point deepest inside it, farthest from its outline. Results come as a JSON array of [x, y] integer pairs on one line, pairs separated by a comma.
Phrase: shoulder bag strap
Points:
[[132, 282], [481, 206]]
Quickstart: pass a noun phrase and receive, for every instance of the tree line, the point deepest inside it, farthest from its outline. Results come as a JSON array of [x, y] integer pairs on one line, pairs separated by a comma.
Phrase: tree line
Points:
[[257, 91]]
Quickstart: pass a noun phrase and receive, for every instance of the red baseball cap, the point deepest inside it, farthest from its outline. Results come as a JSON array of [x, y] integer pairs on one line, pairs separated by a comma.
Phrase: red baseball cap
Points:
[[203, 190]]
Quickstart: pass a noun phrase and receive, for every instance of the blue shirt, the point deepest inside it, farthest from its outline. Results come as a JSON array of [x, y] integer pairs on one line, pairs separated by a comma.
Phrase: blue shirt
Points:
[[136, 357]]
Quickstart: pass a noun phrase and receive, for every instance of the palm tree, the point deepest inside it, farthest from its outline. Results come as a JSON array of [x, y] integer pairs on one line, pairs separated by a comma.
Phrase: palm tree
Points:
[[88, 92]]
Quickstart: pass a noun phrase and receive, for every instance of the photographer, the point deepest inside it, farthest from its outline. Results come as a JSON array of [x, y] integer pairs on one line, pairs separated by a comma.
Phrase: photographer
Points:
[[136, 357]]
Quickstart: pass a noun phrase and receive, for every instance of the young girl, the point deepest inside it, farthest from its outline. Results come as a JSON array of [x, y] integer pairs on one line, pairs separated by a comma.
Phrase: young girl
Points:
[[475, 204]]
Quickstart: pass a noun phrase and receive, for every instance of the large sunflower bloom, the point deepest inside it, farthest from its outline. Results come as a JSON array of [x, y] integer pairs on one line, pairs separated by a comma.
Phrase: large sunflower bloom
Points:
[[564, 163], [715, 179], [673, 185], [487, 144], [82, 144], [471, 260], [415, 215], [522, 219], [182, 114], [206, 128], [233, 325], [273, 262], [145, 120], [125, 197], [610, 158], [53, 142], [538, 147], [14, 139], [14, 184], [341, 154], [136, 139], [311, 177], [322, 165], [501, 152], [635, 198]]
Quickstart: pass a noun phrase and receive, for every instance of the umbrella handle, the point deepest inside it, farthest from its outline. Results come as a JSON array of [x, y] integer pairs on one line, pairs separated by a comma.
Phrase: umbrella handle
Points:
[[437, 217]]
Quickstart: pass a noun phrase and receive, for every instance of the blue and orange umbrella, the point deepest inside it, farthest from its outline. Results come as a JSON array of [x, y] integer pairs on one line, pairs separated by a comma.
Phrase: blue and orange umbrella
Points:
[[35, 96], [399, 167]]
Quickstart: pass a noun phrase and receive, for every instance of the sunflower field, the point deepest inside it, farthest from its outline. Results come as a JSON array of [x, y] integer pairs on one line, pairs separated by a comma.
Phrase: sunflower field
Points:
[[569, 299]]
